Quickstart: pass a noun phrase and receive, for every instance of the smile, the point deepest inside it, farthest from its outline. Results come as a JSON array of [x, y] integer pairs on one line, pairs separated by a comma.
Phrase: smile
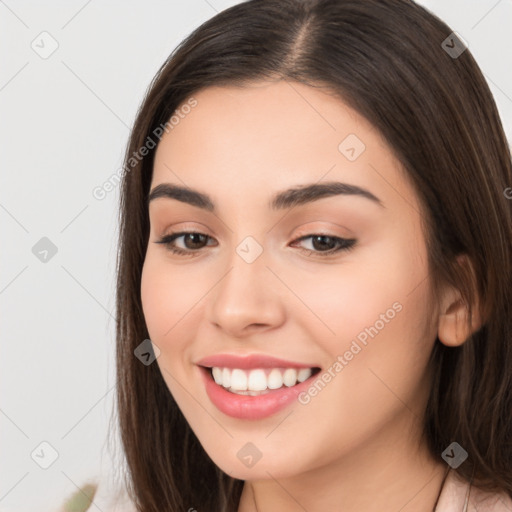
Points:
[[259, 381], [256, 393]]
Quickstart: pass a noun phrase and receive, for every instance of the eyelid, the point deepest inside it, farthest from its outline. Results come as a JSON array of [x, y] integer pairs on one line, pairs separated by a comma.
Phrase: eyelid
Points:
[[343, 244], [308, 229], [188, 227], [302, 230]]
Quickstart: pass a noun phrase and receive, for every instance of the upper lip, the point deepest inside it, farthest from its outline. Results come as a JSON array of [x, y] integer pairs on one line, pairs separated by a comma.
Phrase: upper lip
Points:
[[249, 362]]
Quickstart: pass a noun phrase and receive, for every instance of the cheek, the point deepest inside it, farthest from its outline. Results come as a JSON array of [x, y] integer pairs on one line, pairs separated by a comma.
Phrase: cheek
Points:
[[154, 297], [373, 312], [167, 303], [385, 338], [166, 297], [377, 280]]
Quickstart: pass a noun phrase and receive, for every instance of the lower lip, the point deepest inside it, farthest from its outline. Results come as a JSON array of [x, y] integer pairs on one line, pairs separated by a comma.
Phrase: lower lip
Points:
[[248, 407]]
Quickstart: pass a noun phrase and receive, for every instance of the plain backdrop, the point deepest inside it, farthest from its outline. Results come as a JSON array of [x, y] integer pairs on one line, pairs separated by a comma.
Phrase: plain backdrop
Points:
[[64, 122]]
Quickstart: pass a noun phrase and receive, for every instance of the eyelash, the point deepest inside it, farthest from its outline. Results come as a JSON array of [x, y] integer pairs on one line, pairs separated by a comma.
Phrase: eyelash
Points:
[[344, 244]]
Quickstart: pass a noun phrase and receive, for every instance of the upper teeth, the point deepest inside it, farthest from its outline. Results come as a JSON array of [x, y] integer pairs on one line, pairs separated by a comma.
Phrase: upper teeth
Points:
[[259, 379]]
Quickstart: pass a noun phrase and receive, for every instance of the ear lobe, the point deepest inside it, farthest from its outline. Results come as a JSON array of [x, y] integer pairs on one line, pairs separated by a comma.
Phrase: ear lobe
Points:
[[453, 324]]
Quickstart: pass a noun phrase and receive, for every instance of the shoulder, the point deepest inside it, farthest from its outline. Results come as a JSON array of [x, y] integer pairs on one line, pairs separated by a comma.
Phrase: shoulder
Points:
[[457, 495]]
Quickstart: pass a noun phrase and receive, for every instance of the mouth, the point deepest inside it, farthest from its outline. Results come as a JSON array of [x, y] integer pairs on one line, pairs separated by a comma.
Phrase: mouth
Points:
[[255, 393], [259, 381]]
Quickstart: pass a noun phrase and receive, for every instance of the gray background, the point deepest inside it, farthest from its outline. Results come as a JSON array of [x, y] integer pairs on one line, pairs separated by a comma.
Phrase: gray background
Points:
[[65, 120]]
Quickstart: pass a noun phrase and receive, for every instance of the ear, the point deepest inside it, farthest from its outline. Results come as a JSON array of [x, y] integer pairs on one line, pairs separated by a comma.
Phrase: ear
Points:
[[453, 324]]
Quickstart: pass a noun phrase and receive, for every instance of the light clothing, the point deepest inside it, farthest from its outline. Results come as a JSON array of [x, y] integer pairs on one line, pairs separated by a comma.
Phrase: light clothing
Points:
[[455, 495]]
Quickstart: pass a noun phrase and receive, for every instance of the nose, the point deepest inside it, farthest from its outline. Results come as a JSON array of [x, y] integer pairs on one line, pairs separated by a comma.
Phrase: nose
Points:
[[248, 299]]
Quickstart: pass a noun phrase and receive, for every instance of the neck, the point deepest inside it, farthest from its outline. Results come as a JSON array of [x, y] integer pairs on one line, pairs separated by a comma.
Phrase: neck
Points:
[[373, 478]]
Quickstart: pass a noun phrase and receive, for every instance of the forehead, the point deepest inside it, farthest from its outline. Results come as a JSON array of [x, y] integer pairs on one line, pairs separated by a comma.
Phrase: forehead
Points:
[[273, 134], [270, 116]]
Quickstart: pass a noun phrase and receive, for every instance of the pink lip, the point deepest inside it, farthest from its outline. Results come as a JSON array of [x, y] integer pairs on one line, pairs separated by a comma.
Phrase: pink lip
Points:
[[249, 362], [248, 407]]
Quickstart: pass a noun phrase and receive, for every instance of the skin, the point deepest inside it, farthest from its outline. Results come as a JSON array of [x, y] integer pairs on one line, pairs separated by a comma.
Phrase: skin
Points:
[[356, 445]]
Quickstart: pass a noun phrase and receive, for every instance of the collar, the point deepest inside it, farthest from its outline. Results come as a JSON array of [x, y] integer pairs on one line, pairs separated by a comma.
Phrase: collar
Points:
[[458, 495]]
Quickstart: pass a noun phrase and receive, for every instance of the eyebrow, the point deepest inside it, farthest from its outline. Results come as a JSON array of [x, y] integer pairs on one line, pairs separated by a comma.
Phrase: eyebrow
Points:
[[291, 197]]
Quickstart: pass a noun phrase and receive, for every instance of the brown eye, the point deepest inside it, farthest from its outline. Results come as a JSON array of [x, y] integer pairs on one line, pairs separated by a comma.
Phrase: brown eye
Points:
[[192, 241], [327, 244]]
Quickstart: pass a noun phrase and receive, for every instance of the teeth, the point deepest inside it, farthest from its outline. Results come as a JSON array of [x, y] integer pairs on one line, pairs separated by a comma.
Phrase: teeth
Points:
[[304, 373], [226, 377], [275, 379], [290, 377], [258, 381], [217, 375], [238, 380]]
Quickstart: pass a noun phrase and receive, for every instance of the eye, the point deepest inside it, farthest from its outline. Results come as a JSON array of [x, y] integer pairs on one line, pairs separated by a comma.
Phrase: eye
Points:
[[322, 244], [191, 240]]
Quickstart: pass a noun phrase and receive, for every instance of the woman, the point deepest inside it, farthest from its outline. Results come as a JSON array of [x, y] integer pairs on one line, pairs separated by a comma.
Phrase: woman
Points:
[[314, 271]]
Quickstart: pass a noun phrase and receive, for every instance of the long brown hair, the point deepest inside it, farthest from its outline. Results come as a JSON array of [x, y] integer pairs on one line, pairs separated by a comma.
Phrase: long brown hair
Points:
[[387, 60]]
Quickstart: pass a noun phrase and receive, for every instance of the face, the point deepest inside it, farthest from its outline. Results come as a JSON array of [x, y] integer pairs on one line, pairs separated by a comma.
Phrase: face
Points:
[[336, 280]]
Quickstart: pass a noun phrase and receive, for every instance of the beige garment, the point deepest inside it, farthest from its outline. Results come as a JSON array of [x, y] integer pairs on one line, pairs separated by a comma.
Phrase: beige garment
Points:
[[458, 496], [455, 495]]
